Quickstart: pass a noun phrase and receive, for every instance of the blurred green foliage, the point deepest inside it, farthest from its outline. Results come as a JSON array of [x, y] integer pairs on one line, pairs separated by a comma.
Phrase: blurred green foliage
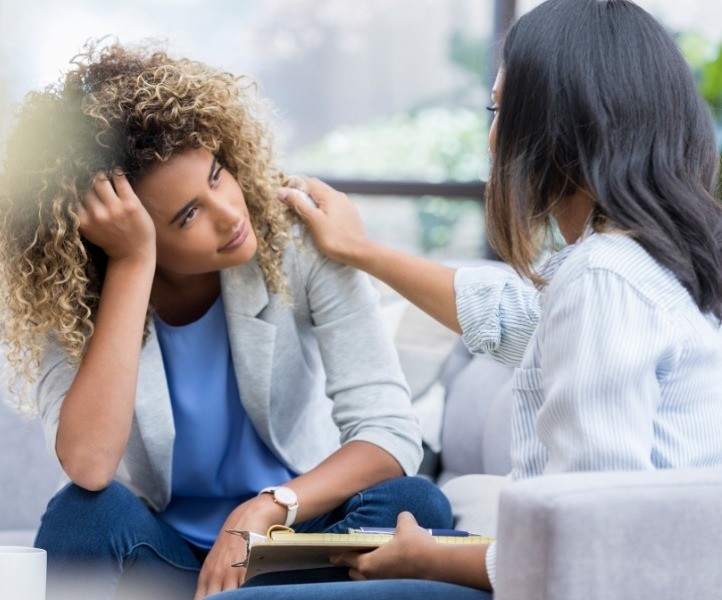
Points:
[[430, 144], [471, 54], [705, 59]]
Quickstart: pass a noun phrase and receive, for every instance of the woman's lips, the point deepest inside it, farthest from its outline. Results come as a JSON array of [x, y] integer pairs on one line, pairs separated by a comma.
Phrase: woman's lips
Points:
[[237, 239]]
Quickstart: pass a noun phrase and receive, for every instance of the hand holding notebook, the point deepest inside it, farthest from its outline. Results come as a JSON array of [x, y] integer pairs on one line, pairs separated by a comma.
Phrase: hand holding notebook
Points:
[[284, 550]]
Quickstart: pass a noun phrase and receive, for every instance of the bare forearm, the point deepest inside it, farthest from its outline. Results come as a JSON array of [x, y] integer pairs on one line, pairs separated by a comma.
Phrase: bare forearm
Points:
[[354, 467], [96, 415], [428, 285], [461, 565]]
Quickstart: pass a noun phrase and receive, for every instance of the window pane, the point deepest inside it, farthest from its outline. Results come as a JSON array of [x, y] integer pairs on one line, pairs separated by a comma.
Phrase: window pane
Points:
[[438, 228]]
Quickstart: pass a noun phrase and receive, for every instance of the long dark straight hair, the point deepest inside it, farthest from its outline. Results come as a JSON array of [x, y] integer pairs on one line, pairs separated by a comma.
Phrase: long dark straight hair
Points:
[[596, 95]]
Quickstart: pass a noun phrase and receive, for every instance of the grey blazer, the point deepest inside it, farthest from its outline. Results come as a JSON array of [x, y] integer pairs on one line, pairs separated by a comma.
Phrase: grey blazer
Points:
[[313, 373]]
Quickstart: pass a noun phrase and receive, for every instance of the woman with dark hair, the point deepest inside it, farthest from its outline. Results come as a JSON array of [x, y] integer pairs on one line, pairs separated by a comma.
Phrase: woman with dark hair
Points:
[[598, 126]]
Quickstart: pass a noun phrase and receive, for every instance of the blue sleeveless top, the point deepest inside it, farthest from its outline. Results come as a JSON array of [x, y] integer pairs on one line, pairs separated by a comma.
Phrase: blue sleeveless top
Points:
[[219, 461]]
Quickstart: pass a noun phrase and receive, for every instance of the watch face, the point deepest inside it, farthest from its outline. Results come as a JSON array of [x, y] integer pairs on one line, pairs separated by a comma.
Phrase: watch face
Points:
[[285, 496]]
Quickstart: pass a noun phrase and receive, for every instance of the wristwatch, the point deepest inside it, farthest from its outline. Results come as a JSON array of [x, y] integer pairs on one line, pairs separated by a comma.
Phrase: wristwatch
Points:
[[284, 496]]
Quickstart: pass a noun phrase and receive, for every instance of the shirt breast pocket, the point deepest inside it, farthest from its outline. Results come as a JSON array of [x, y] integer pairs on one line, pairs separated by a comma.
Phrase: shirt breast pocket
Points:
[[528, 454], [528, 383]]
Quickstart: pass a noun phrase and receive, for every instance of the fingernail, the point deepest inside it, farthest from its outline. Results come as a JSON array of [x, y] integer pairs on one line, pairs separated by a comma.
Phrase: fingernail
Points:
[[305, 197], [295, 181], [282, 195]]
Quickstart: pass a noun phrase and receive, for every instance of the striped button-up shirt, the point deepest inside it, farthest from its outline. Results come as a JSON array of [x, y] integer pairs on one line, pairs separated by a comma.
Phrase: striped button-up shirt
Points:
[[619, 368]]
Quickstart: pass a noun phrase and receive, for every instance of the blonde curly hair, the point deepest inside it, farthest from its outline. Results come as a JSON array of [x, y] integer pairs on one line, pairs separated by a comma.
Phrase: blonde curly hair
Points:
[[116, 107]]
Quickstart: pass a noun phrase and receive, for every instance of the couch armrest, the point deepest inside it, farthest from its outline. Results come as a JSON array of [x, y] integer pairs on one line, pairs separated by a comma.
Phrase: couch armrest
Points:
[[643, 534]]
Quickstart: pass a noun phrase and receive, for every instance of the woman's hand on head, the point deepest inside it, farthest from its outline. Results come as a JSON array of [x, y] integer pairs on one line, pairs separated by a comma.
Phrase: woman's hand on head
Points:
[[406, 556], [112, 217], [333, 220]]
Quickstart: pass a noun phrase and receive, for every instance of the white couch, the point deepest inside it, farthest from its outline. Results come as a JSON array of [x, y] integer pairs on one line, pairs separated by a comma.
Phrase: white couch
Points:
[[28, 477], [652, 535]]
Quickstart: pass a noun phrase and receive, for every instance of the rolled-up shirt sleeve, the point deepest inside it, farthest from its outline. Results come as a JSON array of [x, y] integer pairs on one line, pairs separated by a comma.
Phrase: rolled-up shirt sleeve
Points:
[[498, 312], [491, 564]]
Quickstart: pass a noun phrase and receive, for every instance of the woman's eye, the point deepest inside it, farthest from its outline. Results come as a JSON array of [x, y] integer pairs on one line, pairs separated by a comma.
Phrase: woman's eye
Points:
[[189, 216], [492, 108], [217, 174]]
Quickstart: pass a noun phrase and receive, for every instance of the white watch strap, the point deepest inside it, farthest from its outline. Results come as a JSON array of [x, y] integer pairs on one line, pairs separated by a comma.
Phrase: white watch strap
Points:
[[291, 509], [291, 515]]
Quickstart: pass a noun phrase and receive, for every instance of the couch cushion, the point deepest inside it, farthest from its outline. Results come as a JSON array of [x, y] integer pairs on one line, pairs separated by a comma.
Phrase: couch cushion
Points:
[[474, 502], [476, 433], [28, 474], [17, 537]]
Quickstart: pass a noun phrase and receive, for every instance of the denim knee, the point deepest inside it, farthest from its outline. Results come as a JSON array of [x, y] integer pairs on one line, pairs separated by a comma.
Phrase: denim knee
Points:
[[77, 520], [421, 498]]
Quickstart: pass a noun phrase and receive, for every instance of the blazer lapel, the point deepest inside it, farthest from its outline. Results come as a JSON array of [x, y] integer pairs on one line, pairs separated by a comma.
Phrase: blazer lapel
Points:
[[252, 341]]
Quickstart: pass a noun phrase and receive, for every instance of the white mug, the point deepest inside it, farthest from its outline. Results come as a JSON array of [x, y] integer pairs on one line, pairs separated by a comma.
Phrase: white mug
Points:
[[22, 573]]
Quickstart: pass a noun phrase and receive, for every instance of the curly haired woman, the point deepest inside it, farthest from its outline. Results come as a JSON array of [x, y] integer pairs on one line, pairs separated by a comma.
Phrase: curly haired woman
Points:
[[184, 338]]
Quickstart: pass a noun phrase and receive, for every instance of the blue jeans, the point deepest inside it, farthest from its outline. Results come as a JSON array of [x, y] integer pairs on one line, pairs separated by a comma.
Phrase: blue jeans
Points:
[[100, 542], [382, 589]]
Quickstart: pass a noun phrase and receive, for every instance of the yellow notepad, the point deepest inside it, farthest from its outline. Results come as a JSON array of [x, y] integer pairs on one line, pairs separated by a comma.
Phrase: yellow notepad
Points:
[[285, 550]]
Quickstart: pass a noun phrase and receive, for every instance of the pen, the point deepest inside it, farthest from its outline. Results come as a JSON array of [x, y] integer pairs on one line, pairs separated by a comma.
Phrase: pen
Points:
[[392, 531]]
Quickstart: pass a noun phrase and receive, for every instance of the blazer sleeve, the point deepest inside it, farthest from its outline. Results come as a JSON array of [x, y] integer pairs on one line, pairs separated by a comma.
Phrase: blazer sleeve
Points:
[[363, 376], [54, 379]]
